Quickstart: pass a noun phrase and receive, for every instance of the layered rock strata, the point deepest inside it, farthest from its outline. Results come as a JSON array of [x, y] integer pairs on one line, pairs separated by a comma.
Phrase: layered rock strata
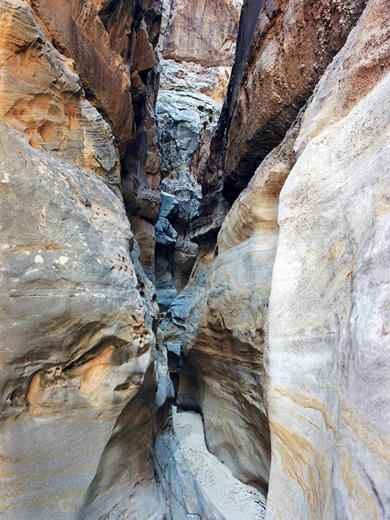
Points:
[[328, 372], [197, 49], [85, 426], [279, 339], [313, 340]]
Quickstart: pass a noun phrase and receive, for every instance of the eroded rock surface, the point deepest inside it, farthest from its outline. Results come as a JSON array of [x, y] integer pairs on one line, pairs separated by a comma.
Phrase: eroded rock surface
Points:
[[43, 99], [77, 338], [328, 367], [202, 32], [85, 396], [230, 329], [197, 48], [276, 331], [230, 325], [283, 49]]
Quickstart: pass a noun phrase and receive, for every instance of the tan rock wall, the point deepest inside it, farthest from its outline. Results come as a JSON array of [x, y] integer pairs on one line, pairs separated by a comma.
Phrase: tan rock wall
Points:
[[78, 32], [231, 329], [85, 419], [42, 97], [326, 293], [77, 340], [328, 372], [202, 31], [293, 42]]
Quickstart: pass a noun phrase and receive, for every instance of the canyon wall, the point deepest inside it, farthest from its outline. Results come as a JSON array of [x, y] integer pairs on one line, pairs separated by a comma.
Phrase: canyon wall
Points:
[[220, 244], [197, 50], [85, 419], [328, 385], [316, 314]]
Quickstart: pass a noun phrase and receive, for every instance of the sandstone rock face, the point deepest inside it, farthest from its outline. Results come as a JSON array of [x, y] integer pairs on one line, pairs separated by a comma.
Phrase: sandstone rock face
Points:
[[43, 100], [230, 326], [283, 49], [77, 340], [328, 367], [83, 383], [202, 32], [137, 24], [276, 331], [323, 333], [197, 47], [78, 32]]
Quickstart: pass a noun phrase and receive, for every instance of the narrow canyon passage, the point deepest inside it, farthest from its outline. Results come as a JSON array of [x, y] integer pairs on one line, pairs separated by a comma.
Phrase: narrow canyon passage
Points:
[[194, 259], [234, 500], [197, 49]]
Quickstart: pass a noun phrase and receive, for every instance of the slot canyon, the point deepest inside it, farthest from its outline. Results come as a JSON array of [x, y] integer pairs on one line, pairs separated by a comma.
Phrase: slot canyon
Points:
[[195, 259]]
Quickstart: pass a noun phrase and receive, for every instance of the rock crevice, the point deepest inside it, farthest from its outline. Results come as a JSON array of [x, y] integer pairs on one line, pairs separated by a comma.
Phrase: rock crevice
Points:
[[194, 242]]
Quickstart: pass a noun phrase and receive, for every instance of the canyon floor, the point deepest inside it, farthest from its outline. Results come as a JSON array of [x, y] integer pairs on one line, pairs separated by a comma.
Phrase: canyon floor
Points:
[[234, 500]]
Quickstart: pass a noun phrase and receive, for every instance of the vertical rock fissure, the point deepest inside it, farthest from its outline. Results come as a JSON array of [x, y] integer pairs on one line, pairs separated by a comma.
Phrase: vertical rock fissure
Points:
[[197, 51], [194, 259], [217, 327]]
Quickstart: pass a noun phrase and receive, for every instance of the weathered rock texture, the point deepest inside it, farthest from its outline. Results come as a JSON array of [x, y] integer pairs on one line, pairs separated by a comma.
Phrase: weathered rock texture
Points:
[[197, 53], [85, 420], [43, 100], [202, 32], [328, 364], [325, 337], [280, 339], [228, 327], [283, 49], [77, 341]]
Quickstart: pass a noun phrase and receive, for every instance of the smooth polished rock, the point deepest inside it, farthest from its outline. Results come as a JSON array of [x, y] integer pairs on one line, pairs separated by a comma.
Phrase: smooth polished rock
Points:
[[324, 332], [229, 327], [327, 362]]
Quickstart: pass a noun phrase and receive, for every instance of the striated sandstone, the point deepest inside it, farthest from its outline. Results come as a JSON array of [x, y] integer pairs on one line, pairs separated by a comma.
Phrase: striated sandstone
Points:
[[45, 100], [278, 339], [328, 446], [77, 341], [230, 329], [42, 98], [76, 29], [328, 375], [197, 44], [138, 26], [292, 45], [86, 431]]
